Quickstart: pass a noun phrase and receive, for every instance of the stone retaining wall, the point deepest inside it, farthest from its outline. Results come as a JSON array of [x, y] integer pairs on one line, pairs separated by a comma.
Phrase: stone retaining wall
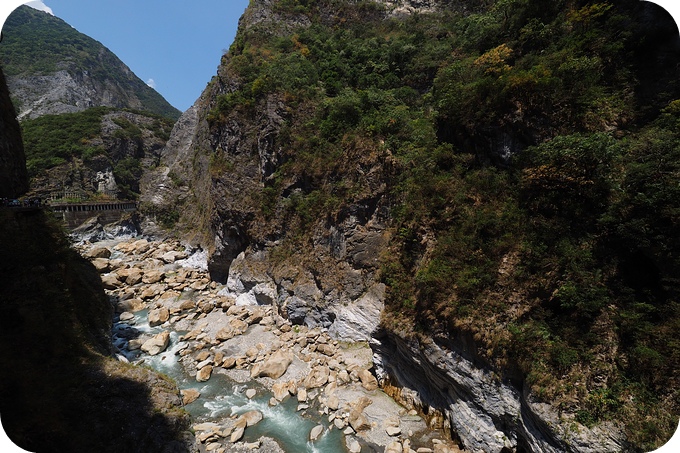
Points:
[[74, 214]]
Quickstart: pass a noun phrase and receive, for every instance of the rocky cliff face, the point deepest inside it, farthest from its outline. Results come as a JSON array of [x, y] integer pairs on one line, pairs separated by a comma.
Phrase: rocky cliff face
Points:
[[13, 175], [301, 218], [443, 377], [68, 91], [338, 268], [52, 69]]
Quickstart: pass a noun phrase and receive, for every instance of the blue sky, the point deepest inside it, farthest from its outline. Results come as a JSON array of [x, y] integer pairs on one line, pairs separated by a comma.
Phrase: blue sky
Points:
[[173, 45]]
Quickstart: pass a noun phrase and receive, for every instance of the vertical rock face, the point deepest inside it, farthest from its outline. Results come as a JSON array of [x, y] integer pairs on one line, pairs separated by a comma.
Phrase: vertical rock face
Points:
[[486, 413], [216, 177], [13, 175]]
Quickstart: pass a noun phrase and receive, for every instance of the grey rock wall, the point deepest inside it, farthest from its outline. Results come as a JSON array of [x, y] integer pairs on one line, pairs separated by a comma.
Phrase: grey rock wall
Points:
[[487, 413]]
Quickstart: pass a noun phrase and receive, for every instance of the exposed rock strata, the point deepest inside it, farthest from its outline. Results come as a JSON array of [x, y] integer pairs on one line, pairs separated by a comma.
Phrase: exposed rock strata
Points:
[[487, 414]]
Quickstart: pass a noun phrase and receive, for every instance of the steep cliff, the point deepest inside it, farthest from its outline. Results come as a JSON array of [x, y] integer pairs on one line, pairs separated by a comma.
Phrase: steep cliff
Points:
[[60, 387], [13, 175], [51, 68], [468, 175]]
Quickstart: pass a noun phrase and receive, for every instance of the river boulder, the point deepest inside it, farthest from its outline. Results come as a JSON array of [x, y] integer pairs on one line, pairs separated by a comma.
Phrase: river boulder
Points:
[[158, 316], [204, 373], [157, 344], [368, 381], [274, 367]]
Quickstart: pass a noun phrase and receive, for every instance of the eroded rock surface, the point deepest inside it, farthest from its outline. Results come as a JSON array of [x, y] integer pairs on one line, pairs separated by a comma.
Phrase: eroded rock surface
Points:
[[330, 378], [487, 414]]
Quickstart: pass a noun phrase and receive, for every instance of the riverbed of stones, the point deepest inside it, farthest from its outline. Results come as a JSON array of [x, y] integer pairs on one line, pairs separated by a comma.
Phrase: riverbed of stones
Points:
[[250, 344]]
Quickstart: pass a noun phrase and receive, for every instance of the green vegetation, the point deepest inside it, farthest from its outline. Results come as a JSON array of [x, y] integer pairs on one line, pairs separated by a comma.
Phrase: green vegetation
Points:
[[53, 140], [35, 43], [76, 139], [128, 171], [531, 155]]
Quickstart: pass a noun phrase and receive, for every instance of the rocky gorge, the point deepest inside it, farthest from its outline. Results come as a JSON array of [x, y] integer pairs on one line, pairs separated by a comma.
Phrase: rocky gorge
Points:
[[302, 196], [382, 232], [239, 338], [237, 360]]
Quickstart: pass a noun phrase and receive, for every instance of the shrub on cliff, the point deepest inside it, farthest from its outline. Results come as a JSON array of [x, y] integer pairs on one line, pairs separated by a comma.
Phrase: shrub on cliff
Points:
[[530, 195]]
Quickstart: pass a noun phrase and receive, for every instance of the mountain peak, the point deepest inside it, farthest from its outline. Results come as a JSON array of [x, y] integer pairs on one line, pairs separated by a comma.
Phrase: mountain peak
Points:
[[52, 68]]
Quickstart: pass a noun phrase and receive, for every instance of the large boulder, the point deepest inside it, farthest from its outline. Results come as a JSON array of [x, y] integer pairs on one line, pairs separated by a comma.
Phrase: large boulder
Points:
[[131, 305], [358, 421], [98, 252], [157, 344], [111, 281], [237, 434], [316, 432], [204, 373], [252, 417], [368, 381], [158, 316], [317, 378], [172, 256], [280, 390], [153, 276], [233, 328], [134, 277], [189, 396], [102, 265], [274, 367], [140, 246], [131, 276]]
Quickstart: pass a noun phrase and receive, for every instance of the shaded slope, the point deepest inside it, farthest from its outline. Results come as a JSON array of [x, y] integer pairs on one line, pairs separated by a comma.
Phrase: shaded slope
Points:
[[60, 389], [13, 175]]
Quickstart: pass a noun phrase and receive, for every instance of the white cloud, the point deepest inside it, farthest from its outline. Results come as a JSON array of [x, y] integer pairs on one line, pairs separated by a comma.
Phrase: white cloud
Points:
[[151, 83], [39, 5]]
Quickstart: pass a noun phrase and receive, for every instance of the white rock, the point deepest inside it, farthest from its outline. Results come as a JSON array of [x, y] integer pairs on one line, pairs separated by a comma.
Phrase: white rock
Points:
[[394, 447], [126, 316], [157, 344], [204, 363], [491, 403], [252, 417], [237, 434], [316, 432], [393, 431], [158, 316], [357, 320], [353, 445]]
